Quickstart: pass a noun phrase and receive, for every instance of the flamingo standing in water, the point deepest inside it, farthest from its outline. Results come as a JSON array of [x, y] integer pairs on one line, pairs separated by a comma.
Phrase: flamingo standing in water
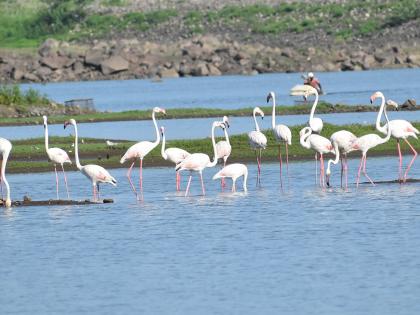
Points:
[[257, 140], [5, 148], [223, 147], [57, 156], [139, 151], [199, 161], [366, 142], [233, 171], [95, 173], [320, 144], [174, 155], [400, 129], [315, 123], [281, 133]]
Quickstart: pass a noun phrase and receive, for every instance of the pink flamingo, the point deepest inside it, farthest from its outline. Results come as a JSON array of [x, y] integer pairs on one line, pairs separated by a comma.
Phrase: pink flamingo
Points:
[[320, 144], [5, 148], [233, 171], [139, 151], [199, 161], [400, 129], [366, 142], [95, 173], [57, 156], [281, 133], [223, 147], [315, 123], [175, 155], [257, 140]]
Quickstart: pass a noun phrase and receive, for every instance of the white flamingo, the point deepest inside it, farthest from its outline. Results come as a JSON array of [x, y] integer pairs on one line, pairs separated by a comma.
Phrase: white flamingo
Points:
[[257, 140], [281, 133], [95, 173], [139, 151], [223, 147], [315, 123], [57, 156], [320, 145], [5, 148], [369, 141], [400, 129], [197, 162], [174, 155], [233, 171]]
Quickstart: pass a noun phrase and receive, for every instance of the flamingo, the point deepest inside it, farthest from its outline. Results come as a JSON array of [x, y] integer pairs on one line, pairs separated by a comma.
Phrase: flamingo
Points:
[[341, 140], [199, 161], [233, 171], [366, 142], [257, 140], [174, 155], [140, 150], [95, 173], [57, 156], [223, 147], [5, 148], [281, 133], [315, 123], [320, 144], [400, 129]]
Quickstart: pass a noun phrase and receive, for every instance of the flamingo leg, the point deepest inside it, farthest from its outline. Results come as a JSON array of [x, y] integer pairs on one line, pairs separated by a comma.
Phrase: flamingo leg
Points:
[[316, 168], [223, 179], [322, 182], [56, 180], [65, 181], [94, 192], [179, 181], [233, 185], [260, 167], [141, 175], [346, 170], [97, 189], [400, 161], [281, 166], [287, 160], [412, 161], [130, 181], [188, 185], [1, 182], [360, 169], [202, 184], [365, 173], [342, 170]]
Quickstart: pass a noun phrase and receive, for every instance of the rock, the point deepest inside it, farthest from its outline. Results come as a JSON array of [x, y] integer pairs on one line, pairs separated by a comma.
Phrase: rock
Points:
[[412, 59], [113, 65], [380, 57], [398, 60], [56, 62], [78, 68], [368, 62], [17, 74], [287, 52], [44, 73], [30, 77], [27, 199], [410, 104], [94, 57], [48, 47], [169, 73], [200, 69], [213, 70], [347, 66]]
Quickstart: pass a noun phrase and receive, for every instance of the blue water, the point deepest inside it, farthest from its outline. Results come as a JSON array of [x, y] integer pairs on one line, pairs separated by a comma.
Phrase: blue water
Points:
[[301, 251], [234, 91]]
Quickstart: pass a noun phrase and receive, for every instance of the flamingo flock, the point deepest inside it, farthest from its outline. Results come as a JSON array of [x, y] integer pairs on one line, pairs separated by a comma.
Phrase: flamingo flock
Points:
[[340, 144]]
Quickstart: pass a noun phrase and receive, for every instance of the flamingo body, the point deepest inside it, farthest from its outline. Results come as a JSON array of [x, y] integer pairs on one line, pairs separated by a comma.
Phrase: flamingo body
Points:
[[233, 171], [58, 156], [138, 151], [257, 140], [97, 174], [5, 148]]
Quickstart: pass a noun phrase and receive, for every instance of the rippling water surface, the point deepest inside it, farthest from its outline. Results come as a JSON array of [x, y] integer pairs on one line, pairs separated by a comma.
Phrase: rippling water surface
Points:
[[302, 250]]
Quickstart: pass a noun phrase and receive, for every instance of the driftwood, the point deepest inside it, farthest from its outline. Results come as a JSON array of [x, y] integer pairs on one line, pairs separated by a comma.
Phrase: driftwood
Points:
[[27, 202]]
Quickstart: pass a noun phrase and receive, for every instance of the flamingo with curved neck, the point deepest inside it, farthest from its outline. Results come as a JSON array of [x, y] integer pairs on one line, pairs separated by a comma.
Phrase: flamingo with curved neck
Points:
[[315, 123], [257, 140], [5, 148], [139, 151], [281, 133], [197, 162], [223, 147]]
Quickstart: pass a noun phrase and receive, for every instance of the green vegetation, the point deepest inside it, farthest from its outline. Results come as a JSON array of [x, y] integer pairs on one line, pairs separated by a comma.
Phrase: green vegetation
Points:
[[13, 96], [27, 24], [30, 156]]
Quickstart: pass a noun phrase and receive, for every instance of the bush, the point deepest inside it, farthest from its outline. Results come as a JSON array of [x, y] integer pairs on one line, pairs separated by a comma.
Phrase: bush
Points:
[[13, 95]]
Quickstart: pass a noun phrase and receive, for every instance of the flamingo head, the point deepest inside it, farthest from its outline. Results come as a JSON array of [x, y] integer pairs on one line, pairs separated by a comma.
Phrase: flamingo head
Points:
[[392, 103], [305, 131], [226, 121], [375, 96], [159, 110], [309, 91], [45, 120], [270, 96], [69, 122], [219, 124], [327, 176], [258, 110], [162, 130]]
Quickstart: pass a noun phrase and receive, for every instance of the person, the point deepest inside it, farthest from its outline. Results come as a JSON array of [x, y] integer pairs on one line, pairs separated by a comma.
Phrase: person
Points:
[[311, 80]]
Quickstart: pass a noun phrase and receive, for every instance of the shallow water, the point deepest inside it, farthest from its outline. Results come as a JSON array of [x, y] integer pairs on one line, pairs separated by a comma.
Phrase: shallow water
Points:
[[181, 128], [235, 91], [300, 251]]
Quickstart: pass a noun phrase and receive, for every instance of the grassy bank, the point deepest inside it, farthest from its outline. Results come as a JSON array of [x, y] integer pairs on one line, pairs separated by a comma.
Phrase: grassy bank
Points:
[[322, 108], [29, 155]]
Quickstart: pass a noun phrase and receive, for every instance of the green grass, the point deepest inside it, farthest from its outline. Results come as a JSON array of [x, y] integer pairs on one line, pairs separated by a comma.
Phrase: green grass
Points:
[[13, 96], [30, 156]]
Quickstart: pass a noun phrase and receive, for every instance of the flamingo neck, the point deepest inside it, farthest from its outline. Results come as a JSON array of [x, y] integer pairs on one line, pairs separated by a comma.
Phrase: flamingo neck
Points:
[[245, 179], [304, 140], [46, 136], [273, 115], [162, 151], [311, 116], [3, 174], [378, 118], [156, 129], [337, 157], [76, 148], [257, 128], [388, 131], [226, 136], [214, 148]]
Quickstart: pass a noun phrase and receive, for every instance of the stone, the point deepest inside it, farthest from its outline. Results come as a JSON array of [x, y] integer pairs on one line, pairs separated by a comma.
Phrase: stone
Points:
[[30, 77], [169, 73], [44, 73], [56, 62], [17, 74], [368, 62], [287, 52], [78, 68], [381, 58], [347, 66], [410, 104], [412, 59], [94, 57], [48, 47], [113, 65], [200, 69], [213, 70]]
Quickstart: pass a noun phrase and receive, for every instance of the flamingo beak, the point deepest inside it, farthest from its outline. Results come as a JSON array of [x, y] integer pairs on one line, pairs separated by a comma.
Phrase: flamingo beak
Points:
[[327, 179], [268, 97], [372, 98], [227, 124], [65, 124]]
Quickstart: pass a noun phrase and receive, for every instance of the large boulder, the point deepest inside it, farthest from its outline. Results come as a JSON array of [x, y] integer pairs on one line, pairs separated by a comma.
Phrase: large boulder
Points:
[[94, 57], [113, 65], [48, 47], [17, 74], [56, 62], [169, 73], [213, 70]]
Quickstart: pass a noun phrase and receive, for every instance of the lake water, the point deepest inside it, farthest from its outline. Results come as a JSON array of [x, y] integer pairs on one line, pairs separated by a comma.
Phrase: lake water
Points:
[[301, 251], [181, 128], [234, 91]]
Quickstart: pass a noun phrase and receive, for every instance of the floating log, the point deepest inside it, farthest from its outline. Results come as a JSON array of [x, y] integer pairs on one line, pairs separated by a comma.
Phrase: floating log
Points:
[[393, 181], [27, 202]]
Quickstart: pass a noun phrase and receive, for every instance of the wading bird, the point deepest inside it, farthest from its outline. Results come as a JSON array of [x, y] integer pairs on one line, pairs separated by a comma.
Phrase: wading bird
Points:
[[257, 140], [95, 173], [5, 148], [139, 151], [223, 147], [315, 123], [233, 171], [197, 162], [57, 156], [281, 133], [174, 155]]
